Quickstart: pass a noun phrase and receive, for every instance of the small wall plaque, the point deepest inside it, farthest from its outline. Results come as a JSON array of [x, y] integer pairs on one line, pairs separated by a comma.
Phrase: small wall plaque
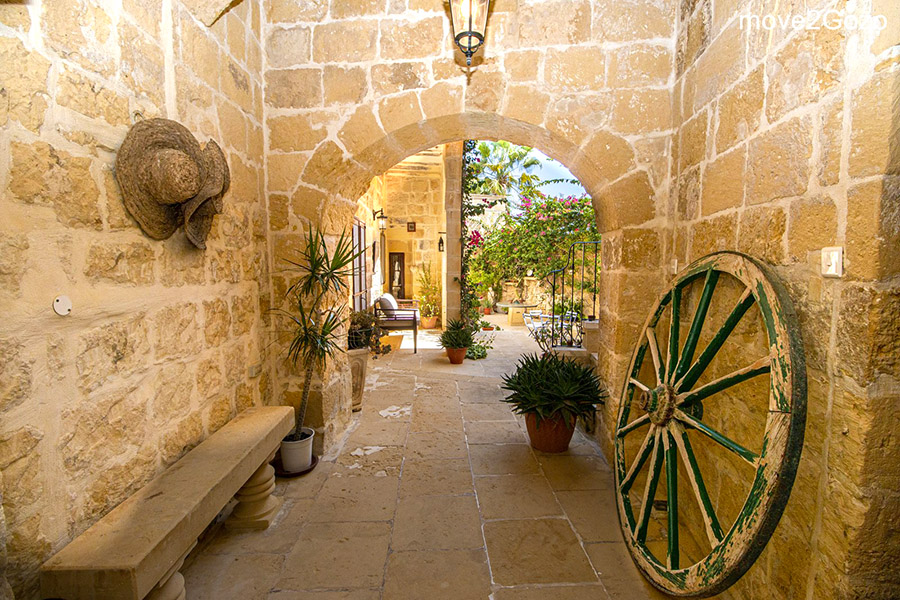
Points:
[[411, 227]]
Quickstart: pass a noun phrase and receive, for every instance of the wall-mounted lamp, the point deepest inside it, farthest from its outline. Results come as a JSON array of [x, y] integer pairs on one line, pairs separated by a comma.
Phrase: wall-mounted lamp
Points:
[[379, 216], [469, 24], [441, 240]]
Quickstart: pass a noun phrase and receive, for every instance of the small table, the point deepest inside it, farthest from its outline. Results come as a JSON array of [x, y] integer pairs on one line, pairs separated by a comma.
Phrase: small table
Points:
[[514, 312]]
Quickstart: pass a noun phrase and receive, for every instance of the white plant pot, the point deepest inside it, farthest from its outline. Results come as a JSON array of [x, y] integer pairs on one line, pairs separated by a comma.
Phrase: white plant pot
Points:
[[297, 456]]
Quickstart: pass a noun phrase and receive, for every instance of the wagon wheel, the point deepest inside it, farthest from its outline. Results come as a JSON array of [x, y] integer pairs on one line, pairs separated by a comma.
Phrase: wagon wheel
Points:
[[670, 403]]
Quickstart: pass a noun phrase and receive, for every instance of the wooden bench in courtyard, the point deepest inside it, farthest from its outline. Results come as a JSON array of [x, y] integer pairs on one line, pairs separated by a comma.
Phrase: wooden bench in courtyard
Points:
[[136, 550]]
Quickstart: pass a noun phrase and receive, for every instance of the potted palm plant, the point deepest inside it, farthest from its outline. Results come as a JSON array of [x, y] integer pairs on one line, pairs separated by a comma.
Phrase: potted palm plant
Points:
[[552, 392], [456, 340], [429, 298], [315, 321], [364, 336]]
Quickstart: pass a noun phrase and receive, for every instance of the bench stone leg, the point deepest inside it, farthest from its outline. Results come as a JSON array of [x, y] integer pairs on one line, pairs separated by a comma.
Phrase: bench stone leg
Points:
[[256, 507], [171, 586]]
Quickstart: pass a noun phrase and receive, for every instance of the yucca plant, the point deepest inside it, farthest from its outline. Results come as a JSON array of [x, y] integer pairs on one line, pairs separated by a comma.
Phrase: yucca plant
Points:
[[322, 274], [549, 386]]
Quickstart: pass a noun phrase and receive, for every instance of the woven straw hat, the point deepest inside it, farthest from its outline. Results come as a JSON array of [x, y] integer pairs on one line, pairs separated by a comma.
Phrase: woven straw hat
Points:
[[167, 179]]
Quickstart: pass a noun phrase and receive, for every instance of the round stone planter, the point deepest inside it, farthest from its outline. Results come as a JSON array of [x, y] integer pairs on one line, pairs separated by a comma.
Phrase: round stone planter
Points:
[[359, 362], [297, 456], [456, 355], [553, 435]]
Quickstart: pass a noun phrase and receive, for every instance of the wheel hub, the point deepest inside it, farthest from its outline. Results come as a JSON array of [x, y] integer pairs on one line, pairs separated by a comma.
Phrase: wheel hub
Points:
[[659, 404]]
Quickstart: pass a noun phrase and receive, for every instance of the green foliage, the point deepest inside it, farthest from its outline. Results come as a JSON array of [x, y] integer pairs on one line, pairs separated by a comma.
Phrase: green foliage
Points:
[[430, 295], [315, 322], [549, 385], [536, 240], [501, 168], [365, 333], [458, 334], [479, 348]]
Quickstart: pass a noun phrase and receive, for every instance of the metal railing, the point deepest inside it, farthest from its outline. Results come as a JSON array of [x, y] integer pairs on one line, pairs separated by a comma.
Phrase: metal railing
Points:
[[567, 315]]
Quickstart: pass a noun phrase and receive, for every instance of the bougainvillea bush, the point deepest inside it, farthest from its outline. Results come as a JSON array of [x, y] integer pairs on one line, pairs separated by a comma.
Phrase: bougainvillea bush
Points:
[[534, 239]]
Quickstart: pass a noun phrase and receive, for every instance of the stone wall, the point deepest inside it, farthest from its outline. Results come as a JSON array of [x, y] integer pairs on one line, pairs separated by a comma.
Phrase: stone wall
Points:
[[159, 348], [415, 195], [786, 142]]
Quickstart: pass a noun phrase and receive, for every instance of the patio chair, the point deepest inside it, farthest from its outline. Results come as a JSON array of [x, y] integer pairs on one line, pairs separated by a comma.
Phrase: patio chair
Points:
[[390, 316]]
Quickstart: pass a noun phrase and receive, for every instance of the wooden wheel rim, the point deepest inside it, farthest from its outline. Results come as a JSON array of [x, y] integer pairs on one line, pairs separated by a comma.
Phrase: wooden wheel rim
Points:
[[737, 549]]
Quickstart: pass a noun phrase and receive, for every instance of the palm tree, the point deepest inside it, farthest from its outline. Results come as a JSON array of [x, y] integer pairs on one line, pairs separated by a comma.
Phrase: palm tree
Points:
[[503, 168]]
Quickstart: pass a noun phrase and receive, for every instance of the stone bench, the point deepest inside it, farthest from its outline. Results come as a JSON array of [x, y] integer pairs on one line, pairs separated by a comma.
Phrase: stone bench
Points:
[[136, 550]]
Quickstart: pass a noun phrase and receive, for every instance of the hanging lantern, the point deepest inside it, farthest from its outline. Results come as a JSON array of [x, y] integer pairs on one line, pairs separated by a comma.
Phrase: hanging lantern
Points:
[[440, 244], [469, 24], [381, 218]]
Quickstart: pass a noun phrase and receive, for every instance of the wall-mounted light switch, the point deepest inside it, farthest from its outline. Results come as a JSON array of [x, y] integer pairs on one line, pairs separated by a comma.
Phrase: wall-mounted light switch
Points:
[[833, 261]]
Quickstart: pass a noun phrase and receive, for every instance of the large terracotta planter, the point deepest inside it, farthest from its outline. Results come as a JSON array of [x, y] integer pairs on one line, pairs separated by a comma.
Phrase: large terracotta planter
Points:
[[429, 322], [456, 355], [552, 436], [359, 361]]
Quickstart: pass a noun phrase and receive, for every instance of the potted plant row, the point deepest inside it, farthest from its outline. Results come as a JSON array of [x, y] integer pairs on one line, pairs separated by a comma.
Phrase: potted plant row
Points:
[[553, 392], [456, 339]]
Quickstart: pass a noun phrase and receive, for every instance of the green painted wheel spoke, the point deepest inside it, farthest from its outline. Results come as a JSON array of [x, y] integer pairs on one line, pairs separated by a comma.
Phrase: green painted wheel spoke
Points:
[[763, 365], [650, 490], [637, 423], [690, 343], [654, 354], [638, 464], [672, 354], [672, 499], [713, 528], [717, 437], [697, 369]]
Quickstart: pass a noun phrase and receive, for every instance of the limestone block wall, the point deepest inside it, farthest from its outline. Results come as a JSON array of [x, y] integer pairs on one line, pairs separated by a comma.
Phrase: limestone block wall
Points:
[[787, 141], [158, 350], [415, 197]]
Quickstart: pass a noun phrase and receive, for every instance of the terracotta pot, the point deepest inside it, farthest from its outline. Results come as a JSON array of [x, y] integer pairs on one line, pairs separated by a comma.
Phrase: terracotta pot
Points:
[[359, 360], [429, 322], [487, 328], [456, 355], [488, 311], [552, 436]]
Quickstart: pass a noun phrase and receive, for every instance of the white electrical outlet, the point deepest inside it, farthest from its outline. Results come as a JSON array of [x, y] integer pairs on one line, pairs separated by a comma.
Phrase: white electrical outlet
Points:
[[833, 261]]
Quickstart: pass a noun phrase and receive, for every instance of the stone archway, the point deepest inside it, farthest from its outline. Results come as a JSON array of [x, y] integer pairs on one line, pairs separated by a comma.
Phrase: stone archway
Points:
[[372, 140], [605, 163]]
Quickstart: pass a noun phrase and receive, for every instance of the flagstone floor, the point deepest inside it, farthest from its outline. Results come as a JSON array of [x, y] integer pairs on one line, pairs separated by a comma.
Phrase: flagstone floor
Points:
[[434, 494]]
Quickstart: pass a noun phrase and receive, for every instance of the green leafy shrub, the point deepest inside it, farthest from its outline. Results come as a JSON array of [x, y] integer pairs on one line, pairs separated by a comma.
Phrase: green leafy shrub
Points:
[[364, 332], [479, 348], [548, 386], [430, 293], [457, 335]]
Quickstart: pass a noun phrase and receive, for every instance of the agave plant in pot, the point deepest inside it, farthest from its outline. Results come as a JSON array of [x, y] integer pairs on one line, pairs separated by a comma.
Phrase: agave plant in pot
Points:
[[456, 340], [552, 392], [316, 320]]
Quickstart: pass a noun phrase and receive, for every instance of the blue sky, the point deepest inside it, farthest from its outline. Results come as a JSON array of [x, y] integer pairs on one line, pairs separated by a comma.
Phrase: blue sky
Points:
[[551, 169]]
